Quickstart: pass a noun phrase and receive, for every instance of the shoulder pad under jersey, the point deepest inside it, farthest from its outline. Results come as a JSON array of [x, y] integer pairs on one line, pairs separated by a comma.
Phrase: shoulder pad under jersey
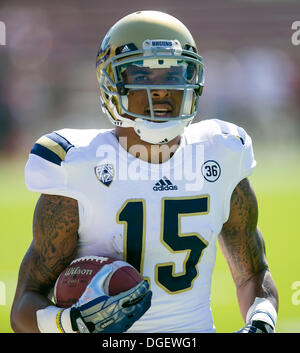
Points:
[[52, 147], [231, 131], [215, 130], [46, 171]]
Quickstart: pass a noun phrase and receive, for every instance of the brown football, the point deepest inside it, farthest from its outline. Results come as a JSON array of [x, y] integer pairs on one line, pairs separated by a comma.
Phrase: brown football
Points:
[[74, 279]]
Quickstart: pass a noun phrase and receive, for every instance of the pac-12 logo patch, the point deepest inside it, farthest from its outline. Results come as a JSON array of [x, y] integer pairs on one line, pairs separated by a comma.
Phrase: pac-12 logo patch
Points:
[[211, 170], [105, 173]]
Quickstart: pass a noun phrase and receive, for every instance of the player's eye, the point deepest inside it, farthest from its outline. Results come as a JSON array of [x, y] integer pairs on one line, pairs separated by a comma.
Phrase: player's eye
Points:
[[174, 79], [141, 78]]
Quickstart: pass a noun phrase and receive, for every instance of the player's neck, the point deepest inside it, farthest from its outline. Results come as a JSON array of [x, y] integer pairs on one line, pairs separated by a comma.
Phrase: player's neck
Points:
[[145, 151]]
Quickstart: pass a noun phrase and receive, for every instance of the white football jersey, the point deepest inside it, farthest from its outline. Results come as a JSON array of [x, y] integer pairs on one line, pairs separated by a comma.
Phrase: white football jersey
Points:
[[164, 218]]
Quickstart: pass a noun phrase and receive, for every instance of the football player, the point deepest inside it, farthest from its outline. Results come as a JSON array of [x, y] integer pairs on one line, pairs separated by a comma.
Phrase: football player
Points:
[[155, 191]]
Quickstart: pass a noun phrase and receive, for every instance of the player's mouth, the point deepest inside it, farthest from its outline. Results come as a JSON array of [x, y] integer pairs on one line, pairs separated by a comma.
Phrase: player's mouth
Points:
[[161, 110]]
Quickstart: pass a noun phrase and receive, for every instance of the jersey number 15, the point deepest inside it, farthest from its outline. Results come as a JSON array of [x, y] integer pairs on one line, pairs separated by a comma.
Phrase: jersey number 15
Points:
[[133, 215]]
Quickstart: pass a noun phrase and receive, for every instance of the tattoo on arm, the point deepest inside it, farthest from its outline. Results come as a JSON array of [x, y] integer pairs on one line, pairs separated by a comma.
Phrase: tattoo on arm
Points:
[[244, 250], [240, 239], [54, 245]]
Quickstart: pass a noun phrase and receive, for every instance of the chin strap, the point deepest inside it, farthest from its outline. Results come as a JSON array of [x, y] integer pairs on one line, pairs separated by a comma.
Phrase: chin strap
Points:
[[158, 133], [150, 131]]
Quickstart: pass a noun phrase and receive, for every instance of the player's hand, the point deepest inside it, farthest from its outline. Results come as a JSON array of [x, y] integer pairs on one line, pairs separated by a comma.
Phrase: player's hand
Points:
[[96, 312], [257, 326]]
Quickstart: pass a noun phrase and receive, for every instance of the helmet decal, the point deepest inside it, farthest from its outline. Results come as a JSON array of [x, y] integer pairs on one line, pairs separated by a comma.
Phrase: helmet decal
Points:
[[104, 51], [126, 48]]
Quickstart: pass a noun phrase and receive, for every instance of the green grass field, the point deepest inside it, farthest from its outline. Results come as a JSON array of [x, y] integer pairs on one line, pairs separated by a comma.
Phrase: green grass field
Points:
[[276, 181]]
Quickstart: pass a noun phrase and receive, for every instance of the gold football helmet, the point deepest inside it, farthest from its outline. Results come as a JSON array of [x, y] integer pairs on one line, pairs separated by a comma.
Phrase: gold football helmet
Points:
[[151, 40]]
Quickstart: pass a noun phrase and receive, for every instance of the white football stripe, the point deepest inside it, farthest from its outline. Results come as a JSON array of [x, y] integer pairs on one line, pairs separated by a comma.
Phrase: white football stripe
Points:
[[115, 265]]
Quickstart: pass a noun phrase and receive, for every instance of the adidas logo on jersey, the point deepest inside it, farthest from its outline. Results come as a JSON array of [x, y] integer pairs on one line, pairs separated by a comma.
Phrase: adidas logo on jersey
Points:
[[164, 184]]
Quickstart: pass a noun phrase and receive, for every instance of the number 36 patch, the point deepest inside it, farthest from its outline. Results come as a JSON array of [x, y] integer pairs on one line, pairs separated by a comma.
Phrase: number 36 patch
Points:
[[211, 170]]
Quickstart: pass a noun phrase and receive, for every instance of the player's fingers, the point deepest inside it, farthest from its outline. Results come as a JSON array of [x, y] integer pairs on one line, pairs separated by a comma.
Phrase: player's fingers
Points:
[[135, 294], [139, 290], [143, 305], [140, 310]]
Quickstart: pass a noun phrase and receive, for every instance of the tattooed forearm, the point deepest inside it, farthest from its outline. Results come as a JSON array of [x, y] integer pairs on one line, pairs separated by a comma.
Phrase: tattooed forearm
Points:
[[241, 240], [55, 227], [244, 250], [54, 246]]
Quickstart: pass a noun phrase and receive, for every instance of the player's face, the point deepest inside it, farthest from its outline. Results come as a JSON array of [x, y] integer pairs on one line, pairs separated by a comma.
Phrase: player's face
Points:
[[166, 103]]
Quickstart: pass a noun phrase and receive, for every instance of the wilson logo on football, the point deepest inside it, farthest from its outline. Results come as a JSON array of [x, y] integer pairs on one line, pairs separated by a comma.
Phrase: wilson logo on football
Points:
[[78, 271], [164, 184]]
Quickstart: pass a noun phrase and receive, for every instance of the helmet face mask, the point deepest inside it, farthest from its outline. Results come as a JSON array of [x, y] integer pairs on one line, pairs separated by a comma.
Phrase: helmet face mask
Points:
[[170, 64]]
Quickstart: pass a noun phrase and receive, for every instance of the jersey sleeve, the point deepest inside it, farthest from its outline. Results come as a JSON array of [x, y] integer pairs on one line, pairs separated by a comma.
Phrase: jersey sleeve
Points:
[[247, 160], [239, 148], [240, 157], [44, 170]]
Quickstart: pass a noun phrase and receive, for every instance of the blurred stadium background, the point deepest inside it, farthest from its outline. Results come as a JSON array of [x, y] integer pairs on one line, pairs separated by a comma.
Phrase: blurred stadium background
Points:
[[48, 81]]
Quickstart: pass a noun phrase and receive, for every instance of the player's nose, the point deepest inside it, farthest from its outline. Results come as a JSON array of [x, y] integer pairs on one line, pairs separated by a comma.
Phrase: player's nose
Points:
[[160, 93]]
